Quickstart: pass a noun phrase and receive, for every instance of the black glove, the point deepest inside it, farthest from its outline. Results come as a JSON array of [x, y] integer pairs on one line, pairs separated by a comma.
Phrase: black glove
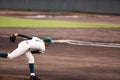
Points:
[[12, 38], [35, 52], [34, 78]]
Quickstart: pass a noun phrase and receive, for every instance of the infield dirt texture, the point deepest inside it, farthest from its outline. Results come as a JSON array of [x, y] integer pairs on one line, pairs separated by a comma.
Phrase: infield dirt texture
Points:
[[64, 61]]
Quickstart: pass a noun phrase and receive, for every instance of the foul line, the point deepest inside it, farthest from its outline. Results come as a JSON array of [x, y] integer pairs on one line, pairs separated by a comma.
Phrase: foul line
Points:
[[76, 42]]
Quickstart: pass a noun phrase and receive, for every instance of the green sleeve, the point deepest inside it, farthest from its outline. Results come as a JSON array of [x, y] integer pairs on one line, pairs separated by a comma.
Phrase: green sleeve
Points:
[[25, 36]]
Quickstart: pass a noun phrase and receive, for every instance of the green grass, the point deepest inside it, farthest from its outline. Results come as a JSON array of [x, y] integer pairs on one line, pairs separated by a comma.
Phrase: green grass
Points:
[[20, 22]]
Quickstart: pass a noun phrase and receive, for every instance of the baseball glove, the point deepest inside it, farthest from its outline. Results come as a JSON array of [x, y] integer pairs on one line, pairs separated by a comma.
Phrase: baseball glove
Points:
[[12, 38], [34, 78]]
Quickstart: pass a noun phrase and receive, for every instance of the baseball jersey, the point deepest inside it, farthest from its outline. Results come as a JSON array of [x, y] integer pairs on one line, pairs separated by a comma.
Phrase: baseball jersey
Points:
[[36, 44]]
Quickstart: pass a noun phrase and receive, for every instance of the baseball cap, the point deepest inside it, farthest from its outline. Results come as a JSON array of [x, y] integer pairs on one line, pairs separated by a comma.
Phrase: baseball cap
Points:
[[48, 39]]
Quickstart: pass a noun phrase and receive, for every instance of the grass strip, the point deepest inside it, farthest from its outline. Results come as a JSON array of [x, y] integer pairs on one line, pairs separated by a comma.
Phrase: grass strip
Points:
[[31, 23]]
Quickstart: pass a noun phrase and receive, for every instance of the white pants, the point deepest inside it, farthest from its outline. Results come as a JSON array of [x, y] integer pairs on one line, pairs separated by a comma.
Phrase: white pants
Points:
[[23, 48]]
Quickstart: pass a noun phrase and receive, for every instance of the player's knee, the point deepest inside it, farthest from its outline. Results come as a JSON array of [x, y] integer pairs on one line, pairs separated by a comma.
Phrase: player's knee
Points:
[[31, 60]]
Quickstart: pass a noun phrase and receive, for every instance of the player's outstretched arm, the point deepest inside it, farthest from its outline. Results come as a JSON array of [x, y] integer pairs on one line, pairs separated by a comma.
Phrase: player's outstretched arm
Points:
[[23, 35]]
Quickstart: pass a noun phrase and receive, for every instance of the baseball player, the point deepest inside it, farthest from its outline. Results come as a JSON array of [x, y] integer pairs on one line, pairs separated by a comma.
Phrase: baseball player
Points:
[[28, 47]]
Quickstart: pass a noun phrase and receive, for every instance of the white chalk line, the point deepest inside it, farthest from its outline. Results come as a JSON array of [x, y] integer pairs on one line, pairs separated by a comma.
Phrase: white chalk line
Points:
[[4, 36], [87, 43], [76, 42]]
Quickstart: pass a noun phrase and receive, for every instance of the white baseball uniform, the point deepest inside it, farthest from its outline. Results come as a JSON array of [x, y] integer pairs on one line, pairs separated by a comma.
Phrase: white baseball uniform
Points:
[[26, 46]]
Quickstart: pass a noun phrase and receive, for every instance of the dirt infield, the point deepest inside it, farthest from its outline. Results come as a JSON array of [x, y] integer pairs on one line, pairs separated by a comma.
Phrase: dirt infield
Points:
[[64, 61]]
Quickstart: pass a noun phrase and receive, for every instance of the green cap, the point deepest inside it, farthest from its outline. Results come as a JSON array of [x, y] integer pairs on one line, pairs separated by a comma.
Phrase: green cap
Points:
[[48, 39]]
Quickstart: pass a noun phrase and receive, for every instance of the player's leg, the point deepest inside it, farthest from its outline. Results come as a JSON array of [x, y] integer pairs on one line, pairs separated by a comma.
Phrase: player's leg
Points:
[[31, 62], [22, 48], [17, 52], [31, 66]]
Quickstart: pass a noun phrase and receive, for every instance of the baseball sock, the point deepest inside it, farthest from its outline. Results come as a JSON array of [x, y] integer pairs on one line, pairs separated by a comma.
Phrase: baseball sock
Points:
[[31, 67], [3, 55]]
